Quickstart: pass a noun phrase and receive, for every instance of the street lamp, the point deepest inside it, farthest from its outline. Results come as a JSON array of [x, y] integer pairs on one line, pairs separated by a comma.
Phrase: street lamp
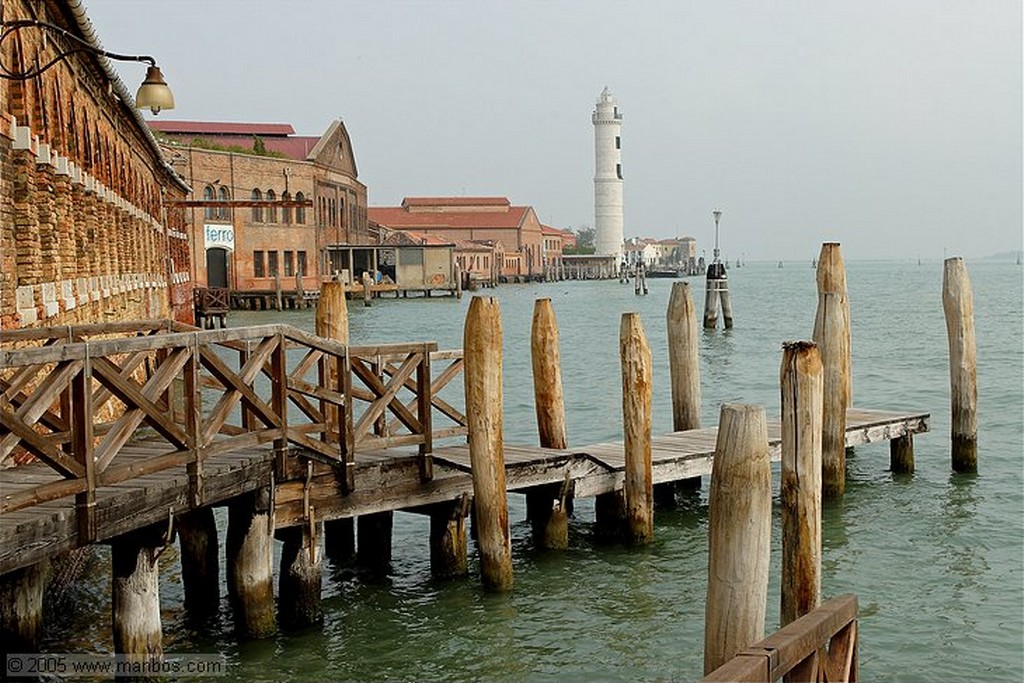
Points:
[[153, 94], [717, 213]]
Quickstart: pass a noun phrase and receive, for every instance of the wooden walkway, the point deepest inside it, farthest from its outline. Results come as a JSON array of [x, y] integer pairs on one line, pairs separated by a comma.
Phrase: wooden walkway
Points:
[[384, 480]]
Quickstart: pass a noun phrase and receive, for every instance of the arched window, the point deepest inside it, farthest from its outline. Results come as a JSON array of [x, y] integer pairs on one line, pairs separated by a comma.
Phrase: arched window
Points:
[[286, 211], [225, 196], [272, 209], [257, 211], [300, 211], [208, 196]]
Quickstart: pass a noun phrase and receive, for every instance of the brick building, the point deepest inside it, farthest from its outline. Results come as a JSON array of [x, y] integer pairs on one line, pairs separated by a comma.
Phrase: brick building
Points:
[[475, 219], [269, 201], [87, 230]]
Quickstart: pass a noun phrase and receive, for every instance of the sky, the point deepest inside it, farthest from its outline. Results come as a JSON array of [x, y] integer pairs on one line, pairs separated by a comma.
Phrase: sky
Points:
[[890, 126]]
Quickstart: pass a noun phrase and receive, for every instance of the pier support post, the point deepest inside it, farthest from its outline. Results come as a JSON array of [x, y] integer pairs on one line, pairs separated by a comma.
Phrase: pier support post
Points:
[[717, 289], [635, 355], [739, 535], [332, 323], [901, 454], [684, 364], [367, 291], [830, 336], [249, 556], [801, 389], [831, 277], [610, 515], [448, 557], [482, 351], [200, 563], [546, 505], [21, 609], [135, 593], [301, 576], [373, 550], [958, 306]]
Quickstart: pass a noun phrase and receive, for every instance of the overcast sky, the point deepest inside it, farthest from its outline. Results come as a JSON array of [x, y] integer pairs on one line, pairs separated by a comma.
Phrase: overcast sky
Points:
[[893, 127]]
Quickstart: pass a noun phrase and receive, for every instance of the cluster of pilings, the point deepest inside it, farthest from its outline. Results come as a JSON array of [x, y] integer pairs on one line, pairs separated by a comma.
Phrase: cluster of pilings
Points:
[[815, 390]]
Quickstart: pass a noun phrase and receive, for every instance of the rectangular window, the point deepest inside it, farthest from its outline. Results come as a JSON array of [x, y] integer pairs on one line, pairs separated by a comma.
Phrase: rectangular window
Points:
[[259, 265], [272, 263], [618, 170], [618, 142], [289, 264], [302, 262]]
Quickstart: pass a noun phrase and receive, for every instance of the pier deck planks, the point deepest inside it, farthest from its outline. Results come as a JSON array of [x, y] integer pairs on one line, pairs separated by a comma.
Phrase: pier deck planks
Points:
[[385, 480]]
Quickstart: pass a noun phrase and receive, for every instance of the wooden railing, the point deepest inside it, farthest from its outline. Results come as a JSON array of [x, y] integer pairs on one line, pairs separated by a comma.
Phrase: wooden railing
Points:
[[819, 646], [211, 299], [74, 401]]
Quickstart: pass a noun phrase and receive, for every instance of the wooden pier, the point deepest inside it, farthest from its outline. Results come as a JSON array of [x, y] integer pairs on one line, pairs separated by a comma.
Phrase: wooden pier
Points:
[[134, 427]]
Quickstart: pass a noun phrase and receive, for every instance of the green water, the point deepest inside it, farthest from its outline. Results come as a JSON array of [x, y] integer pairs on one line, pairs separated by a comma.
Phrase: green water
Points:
[[935, 558]]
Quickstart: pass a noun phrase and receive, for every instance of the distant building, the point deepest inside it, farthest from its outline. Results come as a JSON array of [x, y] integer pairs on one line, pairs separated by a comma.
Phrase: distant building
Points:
[[267, 202], [607, 175], [474, 219], [88, 228], [555, 241]]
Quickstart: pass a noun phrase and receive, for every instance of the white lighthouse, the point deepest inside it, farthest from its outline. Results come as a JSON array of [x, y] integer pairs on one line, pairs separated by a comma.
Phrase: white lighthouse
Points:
[[608, 176]]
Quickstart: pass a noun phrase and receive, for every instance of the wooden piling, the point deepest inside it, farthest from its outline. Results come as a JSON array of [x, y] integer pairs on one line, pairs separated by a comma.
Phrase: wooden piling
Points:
[[374, 533], [21, 609], [278, 294], [448, 556], [958, 306], [901, 454], [300, 581], [545, 504], [683, 358], [831, 277], [801, 389], [739, 535], [482, 352], [830, 336], [367, 288], [724, 297], [135, 593], [332, 323], [635, 356], [548, 396], [200, 562], [249, 557], [457, 276], [684, 368]]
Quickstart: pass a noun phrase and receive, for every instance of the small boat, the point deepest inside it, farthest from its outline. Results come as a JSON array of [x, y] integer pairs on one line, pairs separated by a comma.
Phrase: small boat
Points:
[[780, 264]]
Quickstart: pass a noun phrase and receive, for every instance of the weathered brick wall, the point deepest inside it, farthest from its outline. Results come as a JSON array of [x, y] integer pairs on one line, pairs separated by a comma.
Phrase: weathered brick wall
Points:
[[85, 235]]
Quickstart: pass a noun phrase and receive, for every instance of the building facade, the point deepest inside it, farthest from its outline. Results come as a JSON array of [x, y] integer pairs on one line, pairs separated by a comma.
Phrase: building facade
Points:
[[607, 176], [491, 220], [88, 227], [265, 202]]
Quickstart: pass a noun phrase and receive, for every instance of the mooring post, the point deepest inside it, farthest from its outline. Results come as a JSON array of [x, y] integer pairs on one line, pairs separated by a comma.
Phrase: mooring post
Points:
[[958, 306], [635, 356], [135, 593], [545, 504], [901, 454], [831, 277], [715, 271], [801, 388], [830, 337], [448, 557], [374, 533], [723, 295], [457, 276], [301, 577], [684, 365], [739, 535], [21, 609], [200, 563], [332, 323], [249, 556], [482, 351], [278, 294], [367, 290]]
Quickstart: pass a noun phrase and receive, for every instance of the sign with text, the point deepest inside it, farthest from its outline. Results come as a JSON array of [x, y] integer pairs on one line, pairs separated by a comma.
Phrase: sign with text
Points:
[[222, 236]]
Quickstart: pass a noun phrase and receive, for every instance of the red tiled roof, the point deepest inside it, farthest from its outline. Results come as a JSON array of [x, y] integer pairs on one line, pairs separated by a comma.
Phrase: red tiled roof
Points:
[[221, 128], [398, 217], [456, 201]]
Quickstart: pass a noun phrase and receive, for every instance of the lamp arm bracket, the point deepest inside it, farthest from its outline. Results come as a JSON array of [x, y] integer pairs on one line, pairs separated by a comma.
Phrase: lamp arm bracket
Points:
[[11, 27]]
